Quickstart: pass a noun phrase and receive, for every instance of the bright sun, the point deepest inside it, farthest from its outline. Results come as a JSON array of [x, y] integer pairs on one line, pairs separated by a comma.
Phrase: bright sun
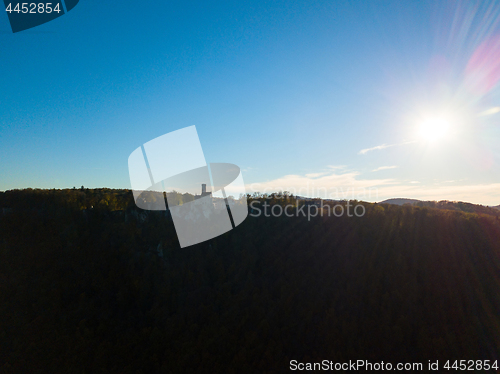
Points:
[[433, 129]]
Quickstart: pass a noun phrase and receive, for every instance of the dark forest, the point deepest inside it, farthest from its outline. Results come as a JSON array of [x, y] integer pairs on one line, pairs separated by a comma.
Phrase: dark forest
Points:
[[91, 284]]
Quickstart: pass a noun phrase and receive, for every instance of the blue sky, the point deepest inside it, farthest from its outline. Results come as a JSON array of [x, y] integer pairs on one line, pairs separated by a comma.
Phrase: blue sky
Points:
[[292, 92]]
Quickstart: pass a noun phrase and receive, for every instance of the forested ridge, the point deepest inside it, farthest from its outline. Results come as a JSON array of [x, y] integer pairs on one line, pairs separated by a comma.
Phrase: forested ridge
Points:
[[449, 205], [91, 284]]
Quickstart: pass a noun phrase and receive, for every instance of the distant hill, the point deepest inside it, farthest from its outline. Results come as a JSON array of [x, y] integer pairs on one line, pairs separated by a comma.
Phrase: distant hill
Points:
[[447, 205], [400, 201]]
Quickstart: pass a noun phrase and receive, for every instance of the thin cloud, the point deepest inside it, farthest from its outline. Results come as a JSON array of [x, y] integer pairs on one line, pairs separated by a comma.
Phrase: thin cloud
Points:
[[384, 168], [331, 185], [490, 111], [350, 185], [378, 147], [315, 175], [383, 146]]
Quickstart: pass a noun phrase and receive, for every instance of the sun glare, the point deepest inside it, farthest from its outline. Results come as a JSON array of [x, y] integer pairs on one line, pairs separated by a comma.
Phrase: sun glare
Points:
[[433, 129]]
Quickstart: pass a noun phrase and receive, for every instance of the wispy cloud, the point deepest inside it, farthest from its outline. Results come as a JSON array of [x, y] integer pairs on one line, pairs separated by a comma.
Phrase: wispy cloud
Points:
[[327, 185], [383, 146], [384, 168], [315, 175], [377, 148], [490, 111], [339, 185]]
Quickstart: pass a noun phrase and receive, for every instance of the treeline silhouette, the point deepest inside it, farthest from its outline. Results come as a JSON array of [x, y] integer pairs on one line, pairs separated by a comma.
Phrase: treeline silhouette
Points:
[[91, 284], [448, 205]]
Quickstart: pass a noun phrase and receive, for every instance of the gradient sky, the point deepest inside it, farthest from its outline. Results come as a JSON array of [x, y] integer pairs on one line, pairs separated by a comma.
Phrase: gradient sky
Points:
[[323, 98]]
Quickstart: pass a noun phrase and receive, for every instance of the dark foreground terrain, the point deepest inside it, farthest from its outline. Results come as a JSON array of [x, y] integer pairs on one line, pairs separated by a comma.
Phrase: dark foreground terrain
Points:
[[108, 290]]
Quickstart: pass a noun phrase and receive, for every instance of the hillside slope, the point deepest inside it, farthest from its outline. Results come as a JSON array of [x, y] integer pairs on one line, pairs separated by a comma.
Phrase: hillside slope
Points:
[[87, 291], [447, 205]]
